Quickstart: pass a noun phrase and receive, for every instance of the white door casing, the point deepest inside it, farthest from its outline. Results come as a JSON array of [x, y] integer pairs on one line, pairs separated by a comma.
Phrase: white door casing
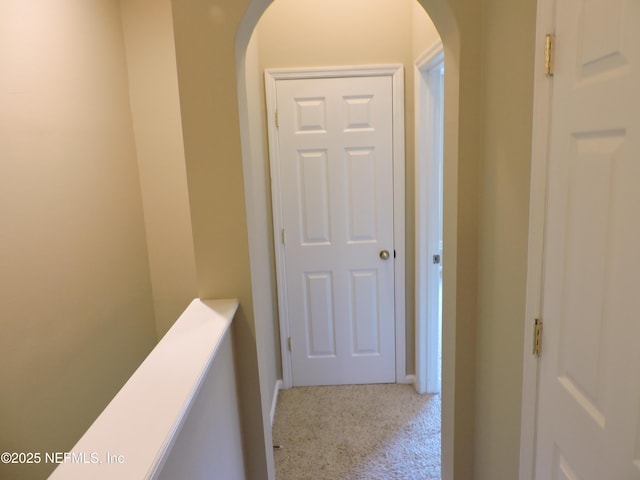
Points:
[[333, 197], [429, 94], [588, 408]]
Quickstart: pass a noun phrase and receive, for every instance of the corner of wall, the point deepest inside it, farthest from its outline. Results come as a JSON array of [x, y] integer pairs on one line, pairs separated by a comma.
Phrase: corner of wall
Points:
[[155, 109]]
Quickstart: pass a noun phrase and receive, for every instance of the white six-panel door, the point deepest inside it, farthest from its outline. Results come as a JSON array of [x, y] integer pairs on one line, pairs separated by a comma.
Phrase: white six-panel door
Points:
[[588, 424], [336, 196]]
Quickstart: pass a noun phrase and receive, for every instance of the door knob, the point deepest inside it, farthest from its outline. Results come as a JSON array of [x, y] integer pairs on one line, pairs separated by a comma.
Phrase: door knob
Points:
[[384, 254]]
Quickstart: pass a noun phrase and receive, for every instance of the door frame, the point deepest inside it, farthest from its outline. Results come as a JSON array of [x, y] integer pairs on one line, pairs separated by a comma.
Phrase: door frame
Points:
[[428, 208], [541, 129], [395, 71]]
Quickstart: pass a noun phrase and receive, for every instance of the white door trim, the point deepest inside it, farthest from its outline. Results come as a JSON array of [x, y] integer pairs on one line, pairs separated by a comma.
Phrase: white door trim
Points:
[[426, 178], [396, 73], [542, 94]]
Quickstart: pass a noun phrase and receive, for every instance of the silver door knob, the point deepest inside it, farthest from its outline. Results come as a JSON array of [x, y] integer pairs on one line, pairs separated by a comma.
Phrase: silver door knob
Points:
[[384, 254]]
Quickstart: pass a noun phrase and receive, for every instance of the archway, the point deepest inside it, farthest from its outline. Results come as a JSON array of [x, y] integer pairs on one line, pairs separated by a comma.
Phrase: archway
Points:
[[258, 216]]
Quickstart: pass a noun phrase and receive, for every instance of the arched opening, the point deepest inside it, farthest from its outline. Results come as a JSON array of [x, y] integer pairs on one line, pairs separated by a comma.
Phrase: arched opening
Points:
[[259, 218]]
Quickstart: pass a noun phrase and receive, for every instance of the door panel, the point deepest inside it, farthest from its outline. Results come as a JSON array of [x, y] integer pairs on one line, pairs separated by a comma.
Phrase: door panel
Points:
[[336, 176], [364, 313], [362, 209], [313, 190], [589, 390], [319, 315]]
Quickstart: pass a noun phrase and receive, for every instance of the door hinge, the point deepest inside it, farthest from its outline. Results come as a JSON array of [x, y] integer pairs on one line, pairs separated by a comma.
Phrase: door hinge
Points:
[[548, 54], [277, 120], [537, 337], [283, 236], [289, 343]]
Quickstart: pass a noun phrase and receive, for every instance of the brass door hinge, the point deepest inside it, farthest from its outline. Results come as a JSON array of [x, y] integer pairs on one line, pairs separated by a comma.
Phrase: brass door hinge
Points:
[[537, 337], [289, 343], [548, 54], [277, 120]]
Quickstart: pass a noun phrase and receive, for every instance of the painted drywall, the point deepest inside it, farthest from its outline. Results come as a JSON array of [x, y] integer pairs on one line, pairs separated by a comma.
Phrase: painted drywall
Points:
[[76, 311], [423, 31], [153, 87], [258, 191], [508, 61], [206, 32], [59, 111], [459, 25], [485, 261], [294, 33]]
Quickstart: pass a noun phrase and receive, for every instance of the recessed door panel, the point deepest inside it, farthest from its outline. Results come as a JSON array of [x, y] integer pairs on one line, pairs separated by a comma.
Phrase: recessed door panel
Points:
[[311, 115], [562, 469], [365, 319], [313, 188], [588, 240], [358, 113], [319, 315], [362, 206], [602, 37]]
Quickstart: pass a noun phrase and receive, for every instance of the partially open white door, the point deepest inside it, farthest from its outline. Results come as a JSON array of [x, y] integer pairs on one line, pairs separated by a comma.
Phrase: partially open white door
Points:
[[335, 172], [588, 424]]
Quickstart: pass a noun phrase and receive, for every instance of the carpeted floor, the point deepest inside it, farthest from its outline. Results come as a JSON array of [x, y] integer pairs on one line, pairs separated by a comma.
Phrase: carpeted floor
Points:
[[357, 432]]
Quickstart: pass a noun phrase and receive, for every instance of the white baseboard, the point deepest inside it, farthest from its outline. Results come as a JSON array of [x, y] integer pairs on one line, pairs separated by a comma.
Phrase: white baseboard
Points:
[[274, 401], [410, 379]]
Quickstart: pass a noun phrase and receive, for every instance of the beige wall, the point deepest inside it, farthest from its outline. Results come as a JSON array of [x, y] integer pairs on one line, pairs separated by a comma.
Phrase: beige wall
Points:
[[424, 32], [296, 33], [459, 23], [260, 229], [76, 313], [206, 33], [155, 108], [73, 239], [507, 117]]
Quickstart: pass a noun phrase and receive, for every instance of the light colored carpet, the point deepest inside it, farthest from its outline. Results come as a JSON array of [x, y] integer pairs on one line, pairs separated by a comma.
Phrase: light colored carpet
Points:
[[357, 432]]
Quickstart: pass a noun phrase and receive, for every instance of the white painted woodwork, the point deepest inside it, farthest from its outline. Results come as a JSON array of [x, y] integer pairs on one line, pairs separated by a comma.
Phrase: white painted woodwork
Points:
[[209, 441], [589, 392], [336, 176], [429, 88], [274, 401], [177, 416], [539, 154]]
